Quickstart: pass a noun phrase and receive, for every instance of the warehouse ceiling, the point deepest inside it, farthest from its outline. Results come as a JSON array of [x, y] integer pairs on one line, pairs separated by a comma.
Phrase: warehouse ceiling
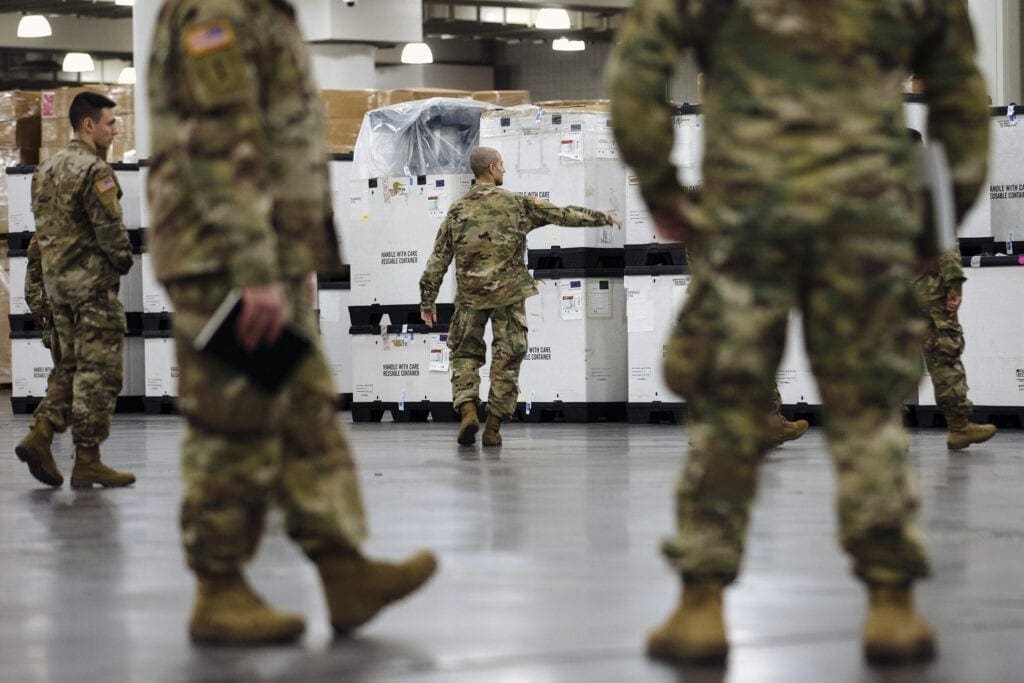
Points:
[[482, 20], [103, 9]]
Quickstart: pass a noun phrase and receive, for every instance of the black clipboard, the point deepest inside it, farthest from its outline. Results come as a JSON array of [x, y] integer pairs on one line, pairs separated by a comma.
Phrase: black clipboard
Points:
[[267, 366]]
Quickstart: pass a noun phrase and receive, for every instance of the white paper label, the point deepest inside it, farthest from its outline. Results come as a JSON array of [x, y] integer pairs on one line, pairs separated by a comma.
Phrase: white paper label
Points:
[[599, 299], [571, 147], [571, 296], [439, 354], [605, 147], [680, 287]]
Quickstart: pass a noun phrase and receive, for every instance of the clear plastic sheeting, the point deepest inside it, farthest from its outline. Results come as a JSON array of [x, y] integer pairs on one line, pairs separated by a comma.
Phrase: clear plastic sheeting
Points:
[[422, 137]]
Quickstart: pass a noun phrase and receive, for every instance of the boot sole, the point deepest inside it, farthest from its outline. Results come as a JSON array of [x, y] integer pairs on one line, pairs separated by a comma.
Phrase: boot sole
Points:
[[90, 484], [882, 655], [212, 637], [467, 437], [35, 469], [958, 447], [704, 657]]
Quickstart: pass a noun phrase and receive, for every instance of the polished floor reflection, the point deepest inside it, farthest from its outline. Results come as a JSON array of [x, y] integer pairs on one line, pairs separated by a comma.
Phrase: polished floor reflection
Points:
[[549, 565]]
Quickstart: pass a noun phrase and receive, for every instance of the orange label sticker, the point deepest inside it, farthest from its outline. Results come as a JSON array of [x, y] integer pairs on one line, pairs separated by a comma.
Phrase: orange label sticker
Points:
[[209, 37], [105, 184]]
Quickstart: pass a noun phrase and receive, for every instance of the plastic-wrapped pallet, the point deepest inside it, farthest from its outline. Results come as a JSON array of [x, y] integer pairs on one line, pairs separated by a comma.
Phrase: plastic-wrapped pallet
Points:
[[566, 155], [575, 367], [652, 301]]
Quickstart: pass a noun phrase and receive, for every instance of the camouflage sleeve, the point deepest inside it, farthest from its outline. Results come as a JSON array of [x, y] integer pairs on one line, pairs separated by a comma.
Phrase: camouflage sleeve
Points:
[[437, 265], [540, 213], [228, 145], [957, 100], [35, 292], [104, 210], [951, 271], [641, 63]]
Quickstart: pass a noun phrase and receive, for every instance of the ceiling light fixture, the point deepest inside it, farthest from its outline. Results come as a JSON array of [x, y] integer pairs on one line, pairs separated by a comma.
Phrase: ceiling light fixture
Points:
[[417, 53], [127, 76], [565, 45], [34, 26], [125, 3], [77, 62], [553, 19]]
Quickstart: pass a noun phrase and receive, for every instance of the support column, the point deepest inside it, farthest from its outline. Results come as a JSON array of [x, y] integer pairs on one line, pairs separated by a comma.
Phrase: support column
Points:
[[997, 28]]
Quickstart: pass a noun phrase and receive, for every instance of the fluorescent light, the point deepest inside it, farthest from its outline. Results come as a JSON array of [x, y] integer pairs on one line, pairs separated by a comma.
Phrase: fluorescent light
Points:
[[518, 16], [126, 3], [554, 19], [566, 45], [127, 76], [34, 26], [417, 53], [75, 62], [492, 15]]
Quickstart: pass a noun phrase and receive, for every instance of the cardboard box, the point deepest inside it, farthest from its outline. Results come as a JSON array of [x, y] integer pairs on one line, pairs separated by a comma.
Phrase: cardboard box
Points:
[[18, 157], [21, 133], [410, 94], [123, 95], [350, 104], [56, 132], [342, 135], [19, 104], [503, 98]]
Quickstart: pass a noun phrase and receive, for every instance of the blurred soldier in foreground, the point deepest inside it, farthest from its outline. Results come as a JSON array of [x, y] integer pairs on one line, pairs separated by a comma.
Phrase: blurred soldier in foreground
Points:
[[83, 250], [240, 199], [485, 232], [810, 199]]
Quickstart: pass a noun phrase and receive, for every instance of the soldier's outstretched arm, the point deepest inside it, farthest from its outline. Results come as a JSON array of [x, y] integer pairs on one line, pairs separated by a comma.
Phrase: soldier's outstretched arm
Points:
[[104, 210], [541, 212], [437, 265], [213, 41], [956, 97]]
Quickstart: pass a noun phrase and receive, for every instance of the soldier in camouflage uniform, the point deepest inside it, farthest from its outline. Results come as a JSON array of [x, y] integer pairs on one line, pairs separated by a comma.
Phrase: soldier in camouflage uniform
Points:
[[485, 232], [939, 293], [84, 250], [810, 199], [240, 199]]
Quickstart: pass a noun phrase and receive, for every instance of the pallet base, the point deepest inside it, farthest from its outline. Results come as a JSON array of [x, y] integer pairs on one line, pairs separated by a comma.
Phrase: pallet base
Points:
[[656, 413], [559, 411], [1003, 417], [26, 405], [160, 405]]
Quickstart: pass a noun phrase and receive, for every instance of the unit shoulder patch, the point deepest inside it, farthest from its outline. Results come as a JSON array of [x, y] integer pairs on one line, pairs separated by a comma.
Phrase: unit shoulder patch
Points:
[[209, 37]]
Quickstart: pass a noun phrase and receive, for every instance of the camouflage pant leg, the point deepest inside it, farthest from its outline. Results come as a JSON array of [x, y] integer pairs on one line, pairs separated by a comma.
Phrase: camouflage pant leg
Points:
[[91, 341], [245, 449], [863, 340], [469, 353], [943, 348], [721, 358], [55, 408], [508, 325]]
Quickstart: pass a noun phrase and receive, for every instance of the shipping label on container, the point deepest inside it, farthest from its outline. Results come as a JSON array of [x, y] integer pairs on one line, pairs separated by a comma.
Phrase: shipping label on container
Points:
[[572, 299], [604, 147], [393, 258], [538, 353], [680, 286], [571, 147], [400, 370], [599, 299], [440, 354]]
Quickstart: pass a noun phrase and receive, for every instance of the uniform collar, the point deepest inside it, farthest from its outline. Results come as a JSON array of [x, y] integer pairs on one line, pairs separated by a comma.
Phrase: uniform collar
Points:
[[84, 145]]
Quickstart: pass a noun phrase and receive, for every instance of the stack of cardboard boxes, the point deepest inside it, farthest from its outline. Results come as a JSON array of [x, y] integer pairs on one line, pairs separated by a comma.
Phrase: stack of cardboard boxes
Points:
[[56, 126], [19, 127]]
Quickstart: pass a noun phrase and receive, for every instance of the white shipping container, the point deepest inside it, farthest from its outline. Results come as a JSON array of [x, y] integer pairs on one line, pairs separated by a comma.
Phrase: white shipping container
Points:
[[16, 282], [653, 302], [19, 202], [400, 367], [31, 365], [161, 374], [154, 296], [335, 338]]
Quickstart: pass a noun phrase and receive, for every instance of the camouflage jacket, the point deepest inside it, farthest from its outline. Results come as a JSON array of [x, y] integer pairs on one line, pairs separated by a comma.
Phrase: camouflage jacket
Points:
[[82, 239], [947, 275], [485, 232], [803, 98], [238, 181], [35, 290]]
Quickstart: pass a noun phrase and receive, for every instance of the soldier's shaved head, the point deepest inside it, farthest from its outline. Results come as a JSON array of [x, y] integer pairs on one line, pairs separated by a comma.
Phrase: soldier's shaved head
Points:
[[482, 158]]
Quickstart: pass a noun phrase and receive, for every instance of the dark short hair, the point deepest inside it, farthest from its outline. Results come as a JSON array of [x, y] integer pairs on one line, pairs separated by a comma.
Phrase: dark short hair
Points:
[[88, 104]]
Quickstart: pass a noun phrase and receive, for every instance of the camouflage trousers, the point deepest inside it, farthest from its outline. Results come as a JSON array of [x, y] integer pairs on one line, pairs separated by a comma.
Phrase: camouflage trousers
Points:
[[87, 346], [863, 343], [943, 347], [469, 353], [245, 449]]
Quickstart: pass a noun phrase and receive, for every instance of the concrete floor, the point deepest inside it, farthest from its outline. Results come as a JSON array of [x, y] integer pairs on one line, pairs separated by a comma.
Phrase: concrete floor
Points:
[[549, 568]]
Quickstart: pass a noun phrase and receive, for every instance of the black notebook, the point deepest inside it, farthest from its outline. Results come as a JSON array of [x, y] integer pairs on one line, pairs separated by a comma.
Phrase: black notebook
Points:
[[268, 366]]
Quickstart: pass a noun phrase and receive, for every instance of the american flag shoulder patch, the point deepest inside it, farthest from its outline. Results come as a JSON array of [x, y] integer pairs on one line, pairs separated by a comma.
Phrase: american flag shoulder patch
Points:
[[209, 37], [105, 184]]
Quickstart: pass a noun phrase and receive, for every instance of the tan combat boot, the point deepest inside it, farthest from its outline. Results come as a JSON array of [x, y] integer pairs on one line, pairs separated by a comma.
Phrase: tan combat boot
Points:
[[963, 432], [781, 430], [894, 632], [88, 470], [227, 611], [34, 451], [357, 588], [695, 632], [469, 425], [492, 429]]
